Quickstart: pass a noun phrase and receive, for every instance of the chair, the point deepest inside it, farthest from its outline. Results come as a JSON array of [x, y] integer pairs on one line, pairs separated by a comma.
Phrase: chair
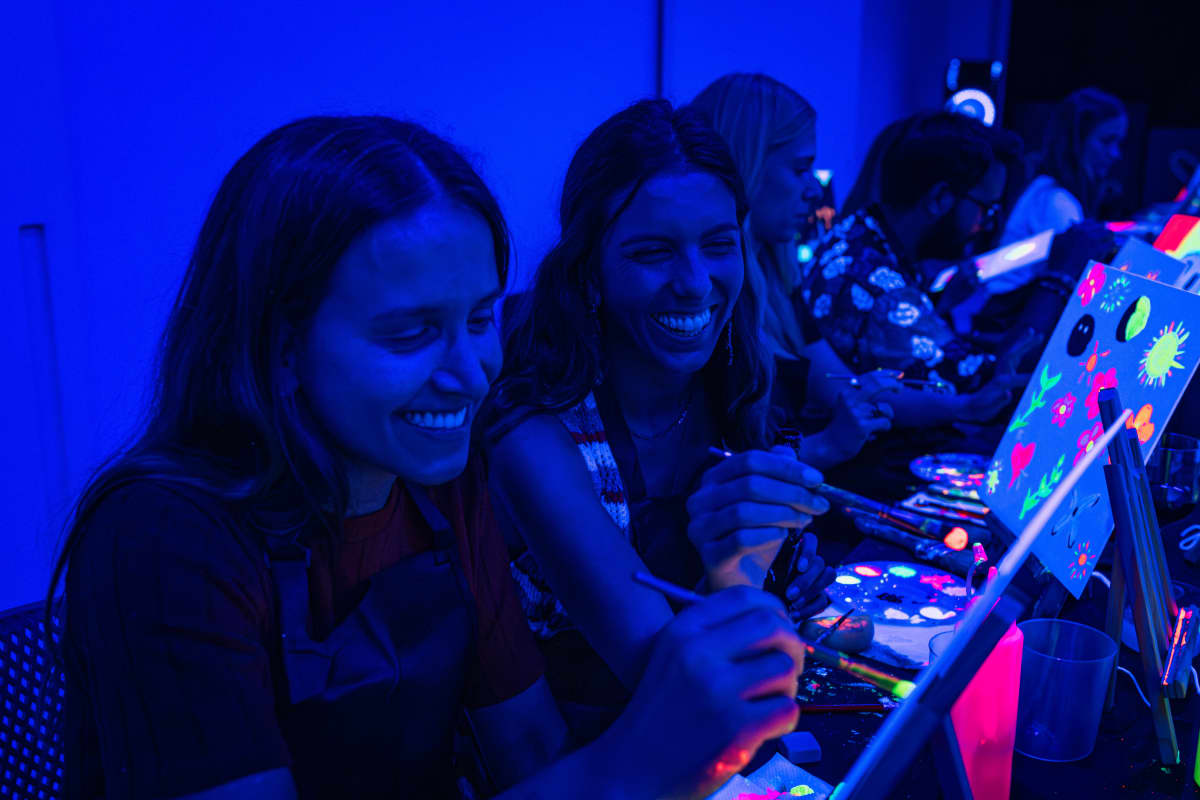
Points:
[[31, 702]]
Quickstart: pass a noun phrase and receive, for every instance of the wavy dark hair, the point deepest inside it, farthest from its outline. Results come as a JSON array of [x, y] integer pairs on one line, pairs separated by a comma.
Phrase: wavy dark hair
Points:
[[1071, 122], [552, 353], [287, 211]]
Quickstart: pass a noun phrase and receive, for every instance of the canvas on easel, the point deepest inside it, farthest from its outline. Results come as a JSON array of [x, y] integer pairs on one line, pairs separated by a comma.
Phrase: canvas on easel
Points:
[[1118, 330]]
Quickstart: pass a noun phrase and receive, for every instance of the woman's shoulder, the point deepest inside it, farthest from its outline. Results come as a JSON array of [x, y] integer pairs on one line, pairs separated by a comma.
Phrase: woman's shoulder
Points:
[[146, 519]]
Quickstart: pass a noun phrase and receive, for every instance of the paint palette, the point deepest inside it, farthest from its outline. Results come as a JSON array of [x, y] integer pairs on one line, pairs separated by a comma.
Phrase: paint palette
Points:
[[960, 470], [899, 593], [908, 604]]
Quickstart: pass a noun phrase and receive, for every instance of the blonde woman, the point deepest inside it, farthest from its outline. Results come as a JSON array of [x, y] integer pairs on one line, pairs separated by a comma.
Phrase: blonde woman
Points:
[[771, 131]]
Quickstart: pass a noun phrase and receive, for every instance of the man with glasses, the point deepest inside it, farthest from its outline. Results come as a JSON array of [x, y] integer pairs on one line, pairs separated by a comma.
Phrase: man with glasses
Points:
[[942, 193]]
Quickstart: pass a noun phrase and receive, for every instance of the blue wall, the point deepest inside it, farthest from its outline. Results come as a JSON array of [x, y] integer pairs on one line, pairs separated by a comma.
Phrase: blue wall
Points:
[[128, 114]]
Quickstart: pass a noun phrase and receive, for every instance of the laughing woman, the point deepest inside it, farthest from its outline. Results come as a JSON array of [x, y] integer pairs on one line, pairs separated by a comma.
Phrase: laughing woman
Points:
[[292, 584], [636, 354]]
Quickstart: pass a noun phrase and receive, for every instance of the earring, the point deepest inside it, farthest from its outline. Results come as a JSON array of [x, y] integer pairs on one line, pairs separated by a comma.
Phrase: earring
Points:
[[729, 341]]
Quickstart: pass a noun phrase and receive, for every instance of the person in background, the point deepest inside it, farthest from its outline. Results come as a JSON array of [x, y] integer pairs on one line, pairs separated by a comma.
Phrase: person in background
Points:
[[633, 356], [942, 184], [292, 583], [1082, 142], [771, 133]]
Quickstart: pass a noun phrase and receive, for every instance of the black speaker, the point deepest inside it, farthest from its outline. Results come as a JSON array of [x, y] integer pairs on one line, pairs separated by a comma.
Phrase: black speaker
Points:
[[976, 89]]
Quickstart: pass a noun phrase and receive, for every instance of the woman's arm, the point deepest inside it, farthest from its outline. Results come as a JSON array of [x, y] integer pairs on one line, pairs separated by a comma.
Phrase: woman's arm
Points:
[[539, 476]]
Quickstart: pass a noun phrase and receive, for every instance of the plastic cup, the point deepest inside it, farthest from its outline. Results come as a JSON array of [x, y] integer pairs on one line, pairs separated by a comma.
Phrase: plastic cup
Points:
[[1065, 669], [985, 715], [1174, 470]]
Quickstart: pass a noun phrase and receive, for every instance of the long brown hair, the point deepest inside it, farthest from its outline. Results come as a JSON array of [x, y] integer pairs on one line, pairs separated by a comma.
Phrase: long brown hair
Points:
[[282, 218], [552, 353]]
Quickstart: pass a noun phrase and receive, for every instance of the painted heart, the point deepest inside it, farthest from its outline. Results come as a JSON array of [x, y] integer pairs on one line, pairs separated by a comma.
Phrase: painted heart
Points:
[[1022, 454]]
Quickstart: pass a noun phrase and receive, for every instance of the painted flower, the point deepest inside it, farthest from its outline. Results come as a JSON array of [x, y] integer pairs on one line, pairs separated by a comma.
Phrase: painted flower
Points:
[[1141, 423], [822, 307], [1062, 409], [1092, 284], [1087, 440], [861, 298], [904, 315], [970, 365], [1101, 380], [927, 350], [886, 278]]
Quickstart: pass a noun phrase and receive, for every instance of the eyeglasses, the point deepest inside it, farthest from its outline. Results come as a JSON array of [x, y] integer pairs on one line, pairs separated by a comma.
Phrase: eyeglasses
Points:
[[991, 211]]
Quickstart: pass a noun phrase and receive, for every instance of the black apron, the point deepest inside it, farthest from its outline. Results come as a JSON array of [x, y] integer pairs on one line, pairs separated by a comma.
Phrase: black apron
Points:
[[371, 710]]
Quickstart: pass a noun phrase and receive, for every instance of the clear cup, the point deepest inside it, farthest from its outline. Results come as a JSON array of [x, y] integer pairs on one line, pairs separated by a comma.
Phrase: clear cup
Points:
[[1174, 469], [1065, 669]]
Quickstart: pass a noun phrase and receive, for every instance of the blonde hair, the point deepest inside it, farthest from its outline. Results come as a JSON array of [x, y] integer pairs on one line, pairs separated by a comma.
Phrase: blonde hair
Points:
[[756, 114]]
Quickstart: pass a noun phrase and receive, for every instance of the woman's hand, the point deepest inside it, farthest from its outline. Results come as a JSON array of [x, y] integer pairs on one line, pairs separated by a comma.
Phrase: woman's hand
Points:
[[721, 680], [858, 414], [743, 509], [807, 579]]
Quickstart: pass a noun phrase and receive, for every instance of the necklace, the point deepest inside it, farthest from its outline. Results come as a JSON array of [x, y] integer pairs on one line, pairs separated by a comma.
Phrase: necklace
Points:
[[687, 404]]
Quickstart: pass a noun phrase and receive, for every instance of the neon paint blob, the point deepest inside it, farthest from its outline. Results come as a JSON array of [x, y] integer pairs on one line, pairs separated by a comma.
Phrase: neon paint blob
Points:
[[901, 571], [895, 613], [1090, 363], [956, 539], [1114, 294], [1081, 335], [803, 790], [1134, 320], [1083, 559], [1162, 356], [1141, 423], [1092, 284], [868, 571], [847, 580], [1020, 457], [933, 612]]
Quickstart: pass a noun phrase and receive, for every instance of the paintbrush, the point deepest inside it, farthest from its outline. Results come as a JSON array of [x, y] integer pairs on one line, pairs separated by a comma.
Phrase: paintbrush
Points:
[[837, 623], [913, 523], [898, 687], [916, 383]]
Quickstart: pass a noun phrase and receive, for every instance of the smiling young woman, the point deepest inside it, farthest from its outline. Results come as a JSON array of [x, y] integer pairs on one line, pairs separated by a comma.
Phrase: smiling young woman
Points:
[[637, 350], [292, 583]]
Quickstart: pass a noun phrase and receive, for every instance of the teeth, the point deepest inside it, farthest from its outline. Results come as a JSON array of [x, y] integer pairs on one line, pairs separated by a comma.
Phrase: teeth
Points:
[[437, 419], [686, 324]]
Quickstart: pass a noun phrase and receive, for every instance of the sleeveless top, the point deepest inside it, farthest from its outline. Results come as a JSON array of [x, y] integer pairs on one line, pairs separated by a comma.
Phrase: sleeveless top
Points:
[[545, 613]]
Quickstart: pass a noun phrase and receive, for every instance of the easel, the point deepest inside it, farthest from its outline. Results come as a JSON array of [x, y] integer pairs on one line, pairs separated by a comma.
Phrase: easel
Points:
[[926, 710], [1166, 637]]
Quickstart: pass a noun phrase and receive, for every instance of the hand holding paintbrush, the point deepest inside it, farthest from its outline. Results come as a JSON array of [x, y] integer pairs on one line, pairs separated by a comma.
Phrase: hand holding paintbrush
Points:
[[743, 509]]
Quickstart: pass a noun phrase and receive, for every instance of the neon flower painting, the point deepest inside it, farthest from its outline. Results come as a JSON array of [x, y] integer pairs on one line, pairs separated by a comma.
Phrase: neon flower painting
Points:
[[1092, 284], [1102, 380], [1141, 423], [1087, 440], [1062, 409]]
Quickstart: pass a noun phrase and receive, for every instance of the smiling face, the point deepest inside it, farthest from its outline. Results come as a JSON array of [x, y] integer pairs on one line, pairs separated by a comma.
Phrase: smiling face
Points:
[[671, 271], [399, 355], [1102, 147], [788, 192]]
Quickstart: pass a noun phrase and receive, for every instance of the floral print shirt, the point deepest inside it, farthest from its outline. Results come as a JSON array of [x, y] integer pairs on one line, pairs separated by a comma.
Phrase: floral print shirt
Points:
[[866, 300]]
